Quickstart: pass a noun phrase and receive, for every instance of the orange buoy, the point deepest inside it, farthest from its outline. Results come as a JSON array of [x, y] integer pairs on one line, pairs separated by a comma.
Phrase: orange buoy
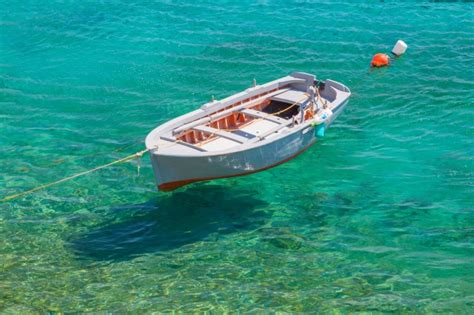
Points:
[[380, 60]]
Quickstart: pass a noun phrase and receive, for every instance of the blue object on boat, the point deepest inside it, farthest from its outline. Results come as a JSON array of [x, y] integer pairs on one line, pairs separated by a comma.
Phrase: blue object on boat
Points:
[[320, 130]]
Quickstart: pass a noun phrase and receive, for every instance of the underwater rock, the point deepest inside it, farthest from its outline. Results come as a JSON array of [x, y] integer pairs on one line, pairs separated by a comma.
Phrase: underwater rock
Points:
[[282, 238], [288, 241], [320, 196], [376, 278], [352, 286], [346, 198], [24, 169]]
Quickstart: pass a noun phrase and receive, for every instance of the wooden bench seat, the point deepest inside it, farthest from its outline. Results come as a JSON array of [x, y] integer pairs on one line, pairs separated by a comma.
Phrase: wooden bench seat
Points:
[[221, 133]]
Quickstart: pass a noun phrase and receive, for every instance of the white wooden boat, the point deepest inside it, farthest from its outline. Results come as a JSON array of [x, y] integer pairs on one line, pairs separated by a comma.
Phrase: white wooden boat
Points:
[[251, 131]]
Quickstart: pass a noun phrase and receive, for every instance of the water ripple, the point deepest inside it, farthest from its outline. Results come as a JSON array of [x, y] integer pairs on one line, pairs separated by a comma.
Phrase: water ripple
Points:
[[376, 217]]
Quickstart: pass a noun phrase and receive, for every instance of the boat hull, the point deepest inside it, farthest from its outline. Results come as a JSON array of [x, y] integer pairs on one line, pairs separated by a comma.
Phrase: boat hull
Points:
[[172, 171], [239, 135]]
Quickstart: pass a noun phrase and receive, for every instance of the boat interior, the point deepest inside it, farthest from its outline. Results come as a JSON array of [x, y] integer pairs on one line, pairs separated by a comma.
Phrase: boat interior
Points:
[[252, 119]]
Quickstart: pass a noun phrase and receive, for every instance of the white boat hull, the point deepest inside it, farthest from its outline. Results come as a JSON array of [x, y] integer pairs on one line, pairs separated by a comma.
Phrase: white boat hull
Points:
[[172, 172], [239, 136]]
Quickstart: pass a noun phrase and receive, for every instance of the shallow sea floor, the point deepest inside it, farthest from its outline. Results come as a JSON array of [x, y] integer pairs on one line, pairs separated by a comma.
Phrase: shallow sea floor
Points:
[[378, 216]]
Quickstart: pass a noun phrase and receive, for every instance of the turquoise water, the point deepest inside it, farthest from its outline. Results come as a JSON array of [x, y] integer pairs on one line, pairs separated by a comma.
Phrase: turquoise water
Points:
[[377, 217]]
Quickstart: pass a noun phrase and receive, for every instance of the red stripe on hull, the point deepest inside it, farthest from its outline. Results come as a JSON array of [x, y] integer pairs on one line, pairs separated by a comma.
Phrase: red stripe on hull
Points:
[[174, 185]]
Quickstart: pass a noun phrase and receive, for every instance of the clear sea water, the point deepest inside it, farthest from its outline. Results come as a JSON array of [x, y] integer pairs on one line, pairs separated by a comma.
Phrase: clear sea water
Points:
[[377, 217]]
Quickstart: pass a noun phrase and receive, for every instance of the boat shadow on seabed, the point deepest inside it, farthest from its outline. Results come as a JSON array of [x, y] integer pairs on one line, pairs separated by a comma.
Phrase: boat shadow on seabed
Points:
[[199, 213]]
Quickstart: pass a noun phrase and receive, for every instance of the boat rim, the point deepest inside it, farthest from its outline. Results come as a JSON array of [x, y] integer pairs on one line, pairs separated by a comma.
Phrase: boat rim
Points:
[[150, 142]]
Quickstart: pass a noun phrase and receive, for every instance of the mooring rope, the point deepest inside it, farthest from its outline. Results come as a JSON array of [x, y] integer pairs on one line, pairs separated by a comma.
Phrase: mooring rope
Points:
[[306, 96], [136, 155]]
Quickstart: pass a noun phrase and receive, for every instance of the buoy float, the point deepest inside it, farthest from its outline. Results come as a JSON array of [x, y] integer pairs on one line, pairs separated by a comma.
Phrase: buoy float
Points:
[[399, 48], [320, 130], [380, 60]]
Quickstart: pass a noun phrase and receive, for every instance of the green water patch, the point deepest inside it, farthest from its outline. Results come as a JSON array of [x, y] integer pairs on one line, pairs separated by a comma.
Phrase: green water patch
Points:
[[376, 217]]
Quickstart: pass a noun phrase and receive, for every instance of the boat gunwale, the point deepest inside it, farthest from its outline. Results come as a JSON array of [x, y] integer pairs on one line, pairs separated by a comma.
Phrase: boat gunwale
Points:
[[240, 147]]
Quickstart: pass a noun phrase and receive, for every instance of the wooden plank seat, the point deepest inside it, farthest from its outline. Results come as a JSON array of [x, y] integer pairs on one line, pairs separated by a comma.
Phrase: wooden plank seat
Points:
[[221, 133], [259, 114], [269, 132]]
